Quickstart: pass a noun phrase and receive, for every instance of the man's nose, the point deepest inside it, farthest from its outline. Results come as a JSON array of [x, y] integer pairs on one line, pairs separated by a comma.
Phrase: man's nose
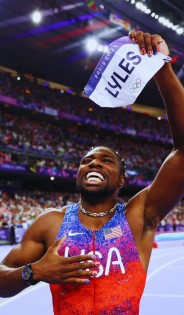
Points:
[[96, 163]]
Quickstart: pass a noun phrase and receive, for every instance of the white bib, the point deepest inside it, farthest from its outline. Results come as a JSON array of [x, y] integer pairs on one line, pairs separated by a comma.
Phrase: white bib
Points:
[[122, 73]]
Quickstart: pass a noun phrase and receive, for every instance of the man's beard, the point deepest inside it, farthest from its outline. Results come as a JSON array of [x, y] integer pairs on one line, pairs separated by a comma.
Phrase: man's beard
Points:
[[95, 193]]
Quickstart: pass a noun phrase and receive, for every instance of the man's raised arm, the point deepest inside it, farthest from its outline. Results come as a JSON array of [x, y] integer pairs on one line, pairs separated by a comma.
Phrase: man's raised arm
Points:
[[172, 92], [168, 186]]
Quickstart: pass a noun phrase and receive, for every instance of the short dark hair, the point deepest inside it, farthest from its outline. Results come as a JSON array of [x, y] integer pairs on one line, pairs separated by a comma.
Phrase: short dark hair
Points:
[[119, 158]]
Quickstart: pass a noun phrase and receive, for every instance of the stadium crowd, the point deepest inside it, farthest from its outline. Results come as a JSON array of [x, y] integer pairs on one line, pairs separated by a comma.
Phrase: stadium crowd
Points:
[[23, 208], [41, 98], [54, 146], [40, 145]]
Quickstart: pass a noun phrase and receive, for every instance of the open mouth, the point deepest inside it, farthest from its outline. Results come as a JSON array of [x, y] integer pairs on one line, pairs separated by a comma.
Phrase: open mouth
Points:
[[94, 177]]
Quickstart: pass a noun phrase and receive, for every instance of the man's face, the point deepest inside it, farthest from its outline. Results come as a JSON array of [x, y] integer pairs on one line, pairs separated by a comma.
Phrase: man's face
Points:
[[99, 173]]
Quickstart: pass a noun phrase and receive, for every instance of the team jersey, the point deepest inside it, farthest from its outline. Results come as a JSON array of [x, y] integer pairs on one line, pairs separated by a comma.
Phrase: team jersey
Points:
[[120, 281]]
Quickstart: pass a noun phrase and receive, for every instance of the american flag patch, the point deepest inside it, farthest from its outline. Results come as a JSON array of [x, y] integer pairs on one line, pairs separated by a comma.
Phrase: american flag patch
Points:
[[113, 232]]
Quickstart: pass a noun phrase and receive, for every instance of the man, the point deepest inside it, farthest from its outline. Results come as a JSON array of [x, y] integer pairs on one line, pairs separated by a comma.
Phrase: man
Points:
[[99, 261]]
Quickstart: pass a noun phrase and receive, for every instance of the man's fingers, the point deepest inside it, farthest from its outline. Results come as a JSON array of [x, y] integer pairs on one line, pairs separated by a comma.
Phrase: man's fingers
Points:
[[74, 262], [132, 34], [144, 42], [79, 274], [147, 43], [139, 38], [81, 266], [76, 280], [80, 258]]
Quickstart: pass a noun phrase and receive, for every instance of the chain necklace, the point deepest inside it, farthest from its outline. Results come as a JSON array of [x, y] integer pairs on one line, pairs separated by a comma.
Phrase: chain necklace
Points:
[[94, 214]]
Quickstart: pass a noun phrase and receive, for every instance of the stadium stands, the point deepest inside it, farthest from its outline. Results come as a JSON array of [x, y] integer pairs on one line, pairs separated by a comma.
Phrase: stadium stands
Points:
[[44, 133]]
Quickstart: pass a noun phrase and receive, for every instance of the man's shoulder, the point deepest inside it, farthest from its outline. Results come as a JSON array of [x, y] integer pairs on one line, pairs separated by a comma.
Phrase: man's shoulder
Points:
[[46, 226], [53, 211], [50, 216]]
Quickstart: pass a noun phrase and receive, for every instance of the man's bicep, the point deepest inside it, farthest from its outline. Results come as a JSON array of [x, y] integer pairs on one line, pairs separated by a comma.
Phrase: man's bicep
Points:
[[36, 240], [168, 187], [26, 252], [30, 249]]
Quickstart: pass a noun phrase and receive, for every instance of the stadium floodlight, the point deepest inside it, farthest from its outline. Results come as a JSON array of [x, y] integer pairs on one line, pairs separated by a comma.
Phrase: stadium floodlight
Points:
[[180, 30], [91, 44], [100, 48], [36, 17]]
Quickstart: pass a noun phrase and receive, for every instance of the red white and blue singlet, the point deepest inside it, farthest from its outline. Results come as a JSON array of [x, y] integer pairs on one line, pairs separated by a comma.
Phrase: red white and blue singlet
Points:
[[119, 284]]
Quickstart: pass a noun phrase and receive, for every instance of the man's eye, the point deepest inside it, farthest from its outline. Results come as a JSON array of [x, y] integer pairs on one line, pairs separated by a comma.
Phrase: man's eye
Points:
[[86, 161], [107, 160]]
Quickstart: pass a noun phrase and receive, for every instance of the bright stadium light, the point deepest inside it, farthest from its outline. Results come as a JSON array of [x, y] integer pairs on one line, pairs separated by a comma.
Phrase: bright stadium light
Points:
[[36, 17], [161, 19], [91, 44], [180, 30], [148, 11], [100, 48]]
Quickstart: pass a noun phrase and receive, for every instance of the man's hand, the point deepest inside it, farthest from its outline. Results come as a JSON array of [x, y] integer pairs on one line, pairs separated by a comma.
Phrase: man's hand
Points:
[[148, 43], [53, 268]]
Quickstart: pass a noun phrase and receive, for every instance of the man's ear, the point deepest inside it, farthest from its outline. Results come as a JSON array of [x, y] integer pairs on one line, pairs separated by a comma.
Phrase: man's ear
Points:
[[122, 181]]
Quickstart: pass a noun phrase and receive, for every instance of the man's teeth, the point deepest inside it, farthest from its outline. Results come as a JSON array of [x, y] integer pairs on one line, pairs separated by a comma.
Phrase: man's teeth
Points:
[[94, 176]]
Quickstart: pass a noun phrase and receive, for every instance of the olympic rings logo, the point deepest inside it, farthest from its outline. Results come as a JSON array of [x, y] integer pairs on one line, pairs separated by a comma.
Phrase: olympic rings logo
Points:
[[136, 86]]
